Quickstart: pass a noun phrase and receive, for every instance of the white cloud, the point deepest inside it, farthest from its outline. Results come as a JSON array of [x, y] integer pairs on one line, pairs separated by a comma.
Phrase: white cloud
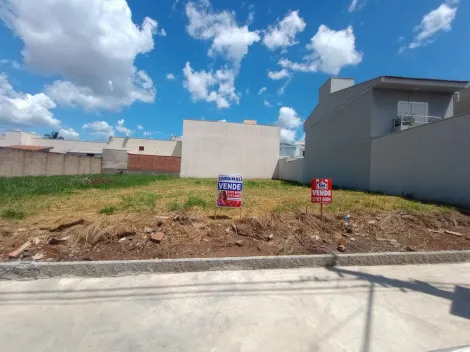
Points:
[[288, 118], [438, 20], [11, 63], [275, 75], [91, 44], [356, 5], [287, 136], [146, 133], [201, 86], [99, 128], [24, 110], [262, 90], [267, 103], [228, 39], [223, 120], [170, 77], [281, 89], [121, 128], [330, 51], [68, 133], [283, 34], [162, 33], [289, 122], [140, 127]]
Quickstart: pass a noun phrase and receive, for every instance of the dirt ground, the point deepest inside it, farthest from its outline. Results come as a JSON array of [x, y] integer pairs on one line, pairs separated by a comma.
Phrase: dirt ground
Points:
[[129, 236]]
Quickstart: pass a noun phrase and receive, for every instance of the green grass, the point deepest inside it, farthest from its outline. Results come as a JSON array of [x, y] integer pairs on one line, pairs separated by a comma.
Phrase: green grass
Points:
[[139, 201], [194, 201], [108, 210], [191, 202], [13, 214], [20, 187]]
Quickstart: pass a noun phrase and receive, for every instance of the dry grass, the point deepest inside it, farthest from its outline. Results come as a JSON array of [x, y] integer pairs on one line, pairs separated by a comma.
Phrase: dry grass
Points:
[[111, 213], [197, 198]]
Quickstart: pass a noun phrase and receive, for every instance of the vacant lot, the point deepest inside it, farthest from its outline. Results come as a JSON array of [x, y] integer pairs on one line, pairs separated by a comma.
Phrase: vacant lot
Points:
[[120, 213]]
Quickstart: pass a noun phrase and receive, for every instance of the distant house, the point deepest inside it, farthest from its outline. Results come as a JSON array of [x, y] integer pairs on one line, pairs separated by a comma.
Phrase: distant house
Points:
[[25, 140], [295, 150]]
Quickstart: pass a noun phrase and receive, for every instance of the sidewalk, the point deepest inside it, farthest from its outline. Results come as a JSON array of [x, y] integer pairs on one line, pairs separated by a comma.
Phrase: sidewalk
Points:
[[385, 308]]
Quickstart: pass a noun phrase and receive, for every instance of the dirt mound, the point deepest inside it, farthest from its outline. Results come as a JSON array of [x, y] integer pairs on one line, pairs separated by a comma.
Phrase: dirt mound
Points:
[[129, 236]]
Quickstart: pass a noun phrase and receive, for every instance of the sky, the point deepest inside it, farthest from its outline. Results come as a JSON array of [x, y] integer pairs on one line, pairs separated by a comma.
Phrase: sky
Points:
[[94, 68]]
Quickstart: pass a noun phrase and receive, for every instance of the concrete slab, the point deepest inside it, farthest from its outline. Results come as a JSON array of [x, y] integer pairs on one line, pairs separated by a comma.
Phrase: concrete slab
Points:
[[380, 308]]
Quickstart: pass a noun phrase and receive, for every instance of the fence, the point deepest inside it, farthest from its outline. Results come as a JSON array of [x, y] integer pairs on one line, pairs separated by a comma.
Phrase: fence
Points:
[[15, 162]]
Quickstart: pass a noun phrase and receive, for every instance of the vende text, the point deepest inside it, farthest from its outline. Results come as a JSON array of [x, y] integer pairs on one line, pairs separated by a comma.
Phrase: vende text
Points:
[[321, 193]]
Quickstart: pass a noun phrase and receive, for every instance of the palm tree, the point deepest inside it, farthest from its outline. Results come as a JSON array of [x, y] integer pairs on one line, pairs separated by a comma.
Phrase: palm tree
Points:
[[53, 135]]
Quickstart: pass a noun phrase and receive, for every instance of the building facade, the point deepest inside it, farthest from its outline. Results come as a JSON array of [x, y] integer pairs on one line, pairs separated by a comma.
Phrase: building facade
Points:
[[345, 135]]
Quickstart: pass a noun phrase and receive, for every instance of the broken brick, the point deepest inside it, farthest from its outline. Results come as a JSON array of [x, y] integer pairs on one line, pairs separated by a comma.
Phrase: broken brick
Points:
[[157, 237]]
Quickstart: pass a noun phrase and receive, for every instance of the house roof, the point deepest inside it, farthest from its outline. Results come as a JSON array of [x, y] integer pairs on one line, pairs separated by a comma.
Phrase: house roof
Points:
[[30, 147], [426, 79]]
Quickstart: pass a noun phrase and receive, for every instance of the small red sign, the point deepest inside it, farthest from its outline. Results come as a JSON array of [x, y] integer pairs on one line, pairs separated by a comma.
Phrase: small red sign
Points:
[[322, 190]]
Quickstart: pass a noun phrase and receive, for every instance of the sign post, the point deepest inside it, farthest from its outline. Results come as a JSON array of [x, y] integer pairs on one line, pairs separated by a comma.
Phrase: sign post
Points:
[[229, 191], [322, 192]]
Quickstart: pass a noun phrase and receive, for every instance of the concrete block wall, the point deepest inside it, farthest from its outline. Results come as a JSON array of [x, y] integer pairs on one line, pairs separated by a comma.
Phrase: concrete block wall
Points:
[[15, 162]]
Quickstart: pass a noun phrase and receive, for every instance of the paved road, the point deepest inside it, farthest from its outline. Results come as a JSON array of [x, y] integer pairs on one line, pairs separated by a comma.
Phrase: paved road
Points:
[[394, 308]]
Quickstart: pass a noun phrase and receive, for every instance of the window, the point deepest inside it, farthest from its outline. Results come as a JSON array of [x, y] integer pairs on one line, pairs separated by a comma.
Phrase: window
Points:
[[412, 108], [141, 148]]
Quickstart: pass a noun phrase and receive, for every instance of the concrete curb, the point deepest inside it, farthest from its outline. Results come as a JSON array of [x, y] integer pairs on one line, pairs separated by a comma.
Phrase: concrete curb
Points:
[[42, 270]]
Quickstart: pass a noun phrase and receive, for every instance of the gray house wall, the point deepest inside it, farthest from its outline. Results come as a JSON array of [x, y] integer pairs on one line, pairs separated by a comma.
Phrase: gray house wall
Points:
[[329, 103], [463, 105], [430, 162], [385, 107], [339, 146]]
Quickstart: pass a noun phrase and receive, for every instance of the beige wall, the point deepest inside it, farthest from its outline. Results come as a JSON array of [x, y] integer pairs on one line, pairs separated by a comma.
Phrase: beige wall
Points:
[[291, 169], [213, 148], [151, 146], [27, 163], [430, 162]]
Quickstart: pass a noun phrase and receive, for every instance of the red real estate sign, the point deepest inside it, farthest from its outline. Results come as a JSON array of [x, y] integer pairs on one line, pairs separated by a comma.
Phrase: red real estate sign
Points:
[[322, 190]]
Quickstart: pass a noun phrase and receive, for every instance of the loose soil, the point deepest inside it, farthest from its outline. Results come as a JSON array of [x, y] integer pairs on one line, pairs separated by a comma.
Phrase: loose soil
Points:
[[127, 236]]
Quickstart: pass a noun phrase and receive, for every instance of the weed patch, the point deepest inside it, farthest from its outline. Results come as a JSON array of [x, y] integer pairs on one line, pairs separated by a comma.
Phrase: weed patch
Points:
[[139, 201], [13, 214], [108, 210], [193, 201]]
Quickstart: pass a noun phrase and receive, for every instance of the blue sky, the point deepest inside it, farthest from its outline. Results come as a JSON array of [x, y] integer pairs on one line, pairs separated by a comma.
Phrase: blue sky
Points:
[[93, 67]]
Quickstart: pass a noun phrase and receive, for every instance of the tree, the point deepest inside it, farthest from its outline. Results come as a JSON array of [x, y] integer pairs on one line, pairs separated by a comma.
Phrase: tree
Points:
[[53, 135]]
